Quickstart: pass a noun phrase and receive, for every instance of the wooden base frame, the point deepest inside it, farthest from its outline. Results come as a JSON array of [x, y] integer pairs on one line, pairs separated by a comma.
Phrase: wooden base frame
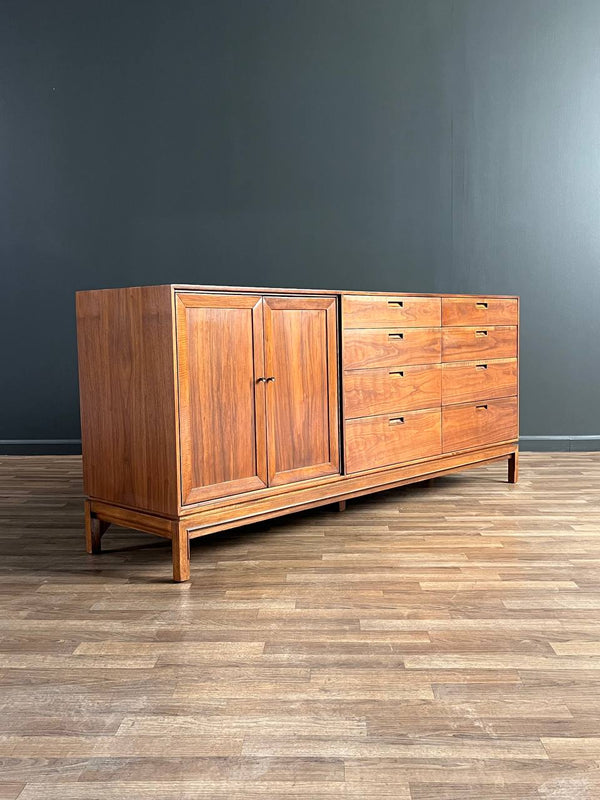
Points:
[[99, 515]]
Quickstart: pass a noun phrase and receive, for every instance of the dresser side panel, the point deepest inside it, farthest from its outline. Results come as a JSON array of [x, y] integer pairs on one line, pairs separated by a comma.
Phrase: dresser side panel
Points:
[[128, 398]]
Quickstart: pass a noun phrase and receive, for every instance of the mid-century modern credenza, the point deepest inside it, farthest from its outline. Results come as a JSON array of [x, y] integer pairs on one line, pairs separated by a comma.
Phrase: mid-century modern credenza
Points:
[[208, 407]]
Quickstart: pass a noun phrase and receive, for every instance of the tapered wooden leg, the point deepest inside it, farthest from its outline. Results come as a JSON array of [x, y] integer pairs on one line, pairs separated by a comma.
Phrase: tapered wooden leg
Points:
[[341, 505], [180, 549], [513, 467], [94, 530]]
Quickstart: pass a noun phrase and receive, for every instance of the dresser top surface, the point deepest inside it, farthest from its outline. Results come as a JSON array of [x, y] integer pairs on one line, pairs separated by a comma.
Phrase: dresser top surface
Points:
[[191, 287]]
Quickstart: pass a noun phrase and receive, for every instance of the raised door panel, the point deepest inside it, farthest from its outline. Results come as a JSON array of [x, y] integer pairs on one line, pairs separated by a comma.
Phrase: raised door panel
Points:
[[478, 424], [388, 347], [301, 386], [374, 442], [470, 344], [375, 311], [383, 390], [221, 404]]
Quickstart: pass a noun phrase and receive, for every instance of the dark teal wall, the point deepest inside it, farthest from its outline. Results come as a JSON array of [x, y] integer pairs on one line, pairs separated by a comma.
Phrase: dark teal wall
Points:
[[421, 146], [525, 88]]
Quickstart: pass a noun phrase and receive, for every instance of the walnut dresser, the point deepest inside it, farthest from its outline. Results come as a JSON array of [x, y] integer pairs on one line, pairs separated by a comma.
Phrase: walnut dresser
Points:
[[208, 407]]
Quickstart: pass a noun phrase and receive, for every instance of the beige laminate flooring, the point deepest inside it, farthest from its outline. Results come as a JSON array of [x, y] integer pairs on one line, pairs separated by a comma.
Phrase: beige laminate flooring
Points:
[[436, 642]]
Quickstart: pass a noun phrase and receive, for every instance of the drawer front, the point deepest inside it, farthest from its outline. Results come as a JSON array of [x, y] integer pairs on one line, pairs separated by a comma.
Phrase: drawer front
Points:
[[479, 311], [478, 424], [371, 311], [390, 347], [373, 442], [470, 344], [381, 391], [478, 380]]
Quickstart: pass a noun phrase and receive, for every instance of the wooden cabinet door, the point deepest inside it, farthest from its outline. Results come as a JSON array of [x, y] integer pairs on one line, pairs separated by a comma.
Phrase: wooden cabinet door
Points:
[[221, 404], [302, 388]]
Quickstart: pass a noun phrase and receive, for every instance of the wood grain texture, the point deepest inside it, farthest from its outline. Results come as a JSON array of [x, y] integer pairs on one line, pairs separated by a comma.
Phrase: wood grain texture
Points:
[[390, 347], [479, 343], [385, 390], [373, 442], [128, 424], [302, 388], [479, 380], [221, 405], [372, 311], [434, 642], [474, 310], [473, 424]]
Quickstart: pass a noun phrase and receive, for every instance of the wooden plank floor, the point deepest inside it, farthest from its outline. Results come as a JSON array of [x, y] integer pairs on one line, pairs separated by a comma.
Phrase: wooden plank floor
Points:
[[436, 642]]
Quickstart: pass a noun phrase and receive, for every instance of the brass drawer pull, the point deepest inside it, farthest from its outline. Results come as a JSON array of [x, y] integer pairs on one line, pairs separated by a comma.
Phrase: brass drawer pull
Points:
[[481, 366], [482, 407], [399, 372], [399, 303], [481, 305], [396, 335], [481, 333], [397, 421]]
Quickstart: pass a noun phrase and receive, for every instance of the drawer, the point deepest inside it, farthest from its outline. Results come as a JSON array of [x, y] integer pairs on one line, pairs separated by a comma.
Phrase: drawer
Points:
[[478, 380], [372, 311], [479, 424], [381, 391], [480, 311], [389, 347], [373, 442], [471, 344]]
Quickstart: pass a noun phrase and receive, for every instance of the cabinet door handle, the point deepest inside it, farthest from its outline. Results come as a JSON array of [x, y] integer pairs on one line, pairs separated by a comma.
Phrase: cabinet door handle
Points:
[[482, 407], [396, 335], [481, 305], [481, 333], [399, 373], [261, 380], [397, 421], [270, 380], [399, 303], [481, 366]]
